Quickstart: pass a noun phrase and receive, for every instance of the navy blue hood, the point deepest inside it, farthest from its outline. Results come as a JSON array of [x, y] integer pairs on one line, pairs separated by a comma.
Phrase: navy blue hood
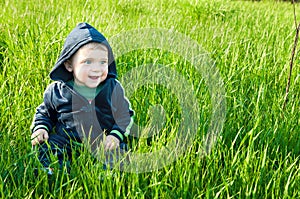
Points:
[[82, 34]]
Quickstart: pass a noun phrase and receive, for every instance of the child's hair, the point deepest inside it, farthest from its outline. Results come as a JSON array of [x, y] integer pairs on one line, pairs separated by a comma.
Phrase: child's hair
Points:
[[92, 45], [95, 45]]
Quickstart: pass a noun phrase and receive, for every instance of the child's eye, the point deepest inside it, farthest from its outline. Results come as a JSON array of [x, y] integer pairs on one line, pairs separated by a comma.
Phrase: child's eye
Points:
[[102, 62], [87, 62]]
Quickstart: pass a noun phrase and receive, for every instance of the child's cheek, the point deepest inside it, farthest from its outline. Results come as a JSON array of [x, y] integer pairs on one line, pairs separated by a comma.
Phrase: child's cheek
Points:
[[104, 74]]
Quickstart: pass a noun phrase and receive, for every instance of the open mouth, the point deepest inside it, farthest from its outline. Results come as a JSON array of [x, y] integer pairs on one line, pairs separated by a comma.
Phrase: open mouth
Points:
[[94, 77]]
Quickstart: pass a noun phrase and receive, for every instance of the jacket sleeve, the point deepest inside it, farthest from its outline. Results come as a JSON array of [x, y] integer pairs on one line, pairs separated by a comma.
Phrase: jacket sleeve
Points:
[[45, 116], [122, 113]]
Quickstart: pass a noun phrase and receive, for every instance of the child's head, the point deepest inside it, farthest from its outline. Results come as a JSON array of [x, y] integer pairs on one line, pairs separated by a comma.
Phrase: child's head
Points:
[[89, 65], [83, 45]]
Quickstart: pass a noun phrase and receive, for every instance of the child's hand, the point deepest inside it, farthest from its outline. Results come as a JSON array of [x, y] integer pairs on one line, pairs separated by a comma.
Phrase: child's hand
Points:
[[39, 136], [111, 143]]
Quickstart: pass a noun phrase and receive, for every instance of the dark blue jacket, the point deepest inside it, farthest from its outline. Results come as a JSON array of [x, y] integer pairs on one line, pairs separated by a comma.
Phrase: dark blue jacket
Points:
[[73, 115]]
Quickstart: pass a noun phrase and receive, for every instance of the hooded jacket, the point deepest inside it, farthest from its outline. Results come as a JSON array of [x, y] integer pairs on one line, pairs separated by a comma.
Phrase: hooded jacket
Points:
[[71, 114]]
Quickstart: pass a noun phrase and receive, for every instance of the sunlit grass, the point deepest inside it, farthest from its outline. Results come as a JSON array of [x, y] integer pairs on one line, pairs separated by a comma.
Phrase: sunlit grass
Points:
[[257, 153]]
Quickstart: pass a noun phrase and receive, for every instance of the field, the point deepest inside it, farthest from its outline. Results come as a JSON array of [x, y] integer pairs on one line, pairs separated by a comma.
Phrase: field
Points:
[[236, 97]]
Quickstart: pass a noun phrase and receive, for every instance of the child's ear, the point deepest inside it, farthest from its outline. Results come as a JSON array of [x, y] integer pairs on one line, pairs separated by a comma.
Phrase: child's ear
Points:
[[68, 66]]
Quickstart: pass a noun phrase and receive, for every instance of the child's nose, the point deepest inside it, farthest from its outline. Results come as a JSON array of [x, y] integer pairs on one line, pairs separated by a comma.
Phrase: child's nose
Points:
[[96, 67]]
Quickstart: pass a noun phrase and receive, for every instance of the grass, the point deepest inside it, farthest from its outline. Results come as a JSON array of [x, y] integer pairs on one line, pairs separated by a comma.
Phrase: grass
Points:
[[257, 153]]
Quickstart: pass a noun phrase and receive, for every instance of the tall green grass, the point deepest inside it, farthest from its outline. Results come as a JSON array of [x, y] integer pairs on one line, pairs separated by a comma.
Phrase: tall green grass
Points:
[[257, 153]]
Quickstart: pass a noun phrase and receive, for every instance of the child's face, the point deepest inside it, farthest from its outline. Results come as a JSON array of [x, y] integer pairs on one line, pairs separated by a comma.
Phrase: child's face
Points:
[[89, 65]]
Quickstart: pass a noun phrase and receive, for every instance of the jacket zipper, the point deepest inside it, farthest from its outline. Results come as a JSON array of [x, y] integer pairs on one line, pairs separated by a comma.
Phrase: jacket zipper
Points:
[[86, 104]]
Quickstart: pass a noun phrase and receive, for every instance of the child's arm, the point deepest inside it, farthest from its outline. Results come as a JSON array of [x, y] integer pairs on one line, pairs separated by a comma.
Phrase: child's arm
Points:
[[44, 118], [122, 114]]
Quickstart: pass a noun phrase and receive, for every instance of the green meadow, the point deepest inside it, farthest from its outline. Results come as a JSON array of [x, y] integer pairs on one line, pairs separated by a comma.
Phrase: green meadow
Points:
[[257, 151]]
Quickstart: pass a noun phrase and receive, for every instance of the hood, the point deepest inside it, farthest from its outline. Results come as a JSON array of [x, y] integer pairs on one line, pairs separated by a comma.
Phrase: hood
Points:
[[82, 34]]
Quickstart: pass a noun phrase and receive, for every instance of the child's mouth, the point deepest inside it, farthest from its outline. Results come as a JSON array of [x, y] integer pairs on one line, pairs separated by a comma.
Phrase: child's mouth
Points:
[[94, 77]]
